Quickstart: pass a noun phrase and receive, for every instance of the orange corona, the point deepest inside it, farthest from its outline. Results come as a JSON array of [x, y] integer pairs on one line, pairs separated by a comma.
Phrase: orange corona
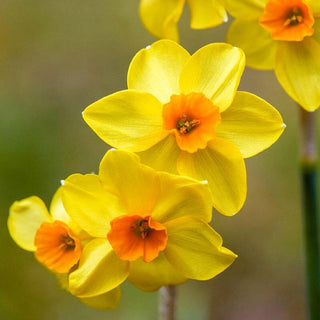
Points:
[[137, 236], [57, 247], [192, 118], [288, 20]]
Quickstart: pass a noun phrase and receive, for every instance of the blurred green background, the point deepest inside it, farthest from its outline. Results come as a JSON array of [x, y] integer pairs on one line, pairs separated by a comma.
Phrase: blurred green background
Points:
[[57, 57]]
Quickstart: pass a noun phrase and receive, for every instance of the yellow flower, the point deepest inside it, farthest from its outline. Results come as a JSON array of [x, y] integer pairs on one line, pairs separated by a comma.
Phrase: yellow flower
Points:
[[184, 115], [283, 35], [150, 227], [160, 17], [56, 240]]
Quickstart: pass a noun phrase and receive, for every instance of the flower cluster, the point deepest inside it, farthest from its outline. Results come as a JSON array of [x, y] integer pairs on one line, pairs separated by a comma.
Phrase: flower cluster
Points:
[[182, 132]]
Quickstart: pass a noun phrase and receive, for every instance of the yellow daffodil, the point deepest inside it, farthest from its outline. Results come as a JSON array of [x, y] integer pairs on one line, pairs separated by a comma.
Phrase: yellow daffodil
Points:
[[160, 17], [184, 115], [283, 35], [56, 240], [150, 227]]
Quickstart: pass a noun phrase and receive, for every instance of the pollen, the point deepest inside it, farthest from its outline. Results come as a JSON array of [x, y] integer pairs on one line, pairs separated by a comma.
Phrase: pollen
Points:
[[288, 20], [57, 247], [192, 118], [137, 236]]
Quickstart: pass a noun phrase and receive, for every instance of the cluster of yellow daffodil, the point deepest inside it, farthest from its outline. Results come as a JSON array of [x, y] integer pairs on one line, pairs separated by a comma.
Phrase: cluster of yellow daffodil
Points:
[[182, 132], [181, 114]]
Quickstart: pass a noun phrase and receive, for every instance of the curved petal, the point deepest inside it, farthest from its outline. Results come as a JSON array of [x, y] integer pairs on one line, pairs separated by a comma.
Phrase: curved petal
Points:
[[181, 196], [25, 218], [89, 205], [100, 270], [251, 124], [160, 17], [105, 301], [298, 71], [195, 249], [206, 13], [222, 165], [245, 9], [215, 70], [58, 212], [155, 274], [127, 120], [136, 185], [162, 156], [157, 68], [261, 54]]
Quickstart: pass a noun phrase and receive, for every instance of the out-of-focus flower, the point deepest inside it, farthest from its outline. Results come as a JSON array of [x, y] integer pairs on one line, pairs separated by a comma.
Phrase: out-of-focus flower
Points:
[[56, 240], [150, 227], [160, 17], [184, 115], [283, 35]]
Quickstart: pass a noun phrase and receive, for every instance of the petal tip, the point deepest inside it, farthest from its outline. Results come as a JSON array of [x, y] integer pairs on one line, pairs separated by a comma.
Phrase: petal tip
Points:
[[283, 125], [148, 46], [62, 182]]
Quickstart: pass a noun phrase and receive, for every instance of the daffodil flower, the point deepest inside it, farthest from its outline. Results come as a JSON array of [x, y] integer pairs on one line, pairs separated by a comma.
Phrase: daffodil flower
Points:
[[283, 35], [160, 17], [56, 240], [184, 115], [150, 227]]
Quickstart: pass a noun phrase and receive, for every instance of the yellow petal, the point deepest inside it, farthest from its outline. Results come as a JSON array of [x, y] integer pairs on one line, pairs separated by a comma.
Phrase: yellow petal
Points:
[[89, 204], [25, 218], [106, 301], [155, 274], [57, 210], [261, 54], [136, 185], [206, 13], [245, 9], [181, 196], [215, 70], [162, 156], [160, 17], [127, 120], [222, 165], [157, 68], [100, 270], [251, 124], [298, 71], [195, 249]]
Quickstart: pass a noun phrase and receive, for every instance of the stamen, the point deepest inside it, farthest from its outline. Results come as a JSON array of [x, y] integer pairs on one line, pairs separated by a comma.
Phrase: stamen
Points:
[[294, 17], [141, 228], [186, 125]]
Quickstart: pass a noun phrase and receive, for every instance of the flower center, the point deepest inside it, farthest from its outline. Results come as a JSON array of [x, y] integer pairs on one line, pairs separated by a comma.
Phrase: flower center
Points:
[[135, 236], [57, 247], [141, 228], [185, 124], [287, 20], [192, 118], [294, 17]]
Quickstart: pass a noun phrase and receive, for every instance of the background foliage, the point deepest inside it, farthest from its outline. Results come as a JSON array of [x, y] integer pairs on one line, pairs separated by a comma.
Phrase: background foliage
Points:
[[57, 57]]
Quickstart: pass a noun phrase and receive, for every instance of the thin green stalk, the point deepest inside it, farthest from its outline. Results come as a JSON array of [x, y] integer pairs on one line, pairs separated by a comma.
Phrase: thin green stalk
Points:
[[308, 167], [167, 303]]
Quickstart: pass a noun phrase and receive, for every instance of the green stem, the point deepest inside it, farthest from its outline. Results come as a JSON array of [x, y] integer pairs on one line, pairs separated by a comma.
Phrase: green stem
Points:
[[308, 167], [167, 303]]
